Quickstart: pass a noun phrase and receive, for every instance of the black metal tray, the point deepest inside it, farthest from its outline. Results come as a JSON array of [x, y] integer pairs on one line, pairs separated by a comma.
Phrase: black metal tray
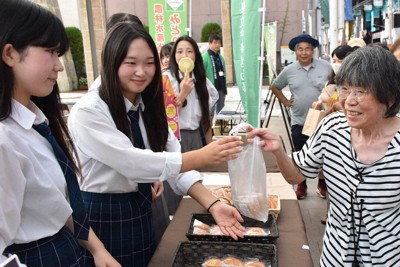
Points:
[[248, 222], [194, 253]]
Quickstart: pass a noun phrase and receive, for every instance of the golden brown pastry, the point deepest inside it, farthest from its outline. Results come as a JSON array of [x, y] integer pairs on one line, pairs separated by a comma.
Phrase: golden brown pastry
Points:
[[254, 263], [272, 201], [213, 262], [215, 230], [199, 231], [201, 225], [255, 231], [232, 262]]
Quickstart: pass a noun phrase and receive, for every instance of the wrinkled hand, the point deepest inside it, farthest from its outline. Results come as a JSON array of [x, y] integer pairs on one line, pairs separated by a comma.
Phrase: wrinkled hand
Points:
[[222, 150], [156, 190], [228, 220], [269, 141]]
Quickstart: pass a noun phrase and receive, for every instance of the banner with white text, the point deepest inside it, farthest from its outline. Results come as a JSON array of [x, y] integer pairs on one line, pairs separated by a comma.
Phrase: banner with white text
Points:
[[246, 42], [167, 20]]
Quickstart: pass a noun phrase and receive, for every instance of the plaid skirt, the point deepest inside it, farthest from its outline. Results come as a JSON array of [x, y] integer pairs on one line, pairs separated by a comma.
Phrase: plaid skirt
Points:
[[124, 227], [61, 249]]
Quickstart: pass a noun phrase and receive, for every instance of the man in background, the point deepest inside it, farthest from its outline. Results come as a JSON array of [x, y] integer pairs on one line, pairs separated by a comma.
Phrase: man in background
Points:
[[214, 63], [306, 78]]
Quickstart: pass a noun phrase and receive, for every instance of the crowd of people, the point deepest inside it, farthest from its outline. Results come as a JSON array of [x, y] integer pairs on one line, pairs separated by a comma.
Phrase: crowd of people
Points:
[[99, 189]]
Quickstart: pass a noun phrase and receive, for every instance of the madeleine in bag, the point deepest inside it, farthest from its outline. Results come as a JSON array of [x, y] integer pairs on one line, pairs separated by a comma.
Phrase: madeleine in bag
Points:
[[314, 116], [247, 175]]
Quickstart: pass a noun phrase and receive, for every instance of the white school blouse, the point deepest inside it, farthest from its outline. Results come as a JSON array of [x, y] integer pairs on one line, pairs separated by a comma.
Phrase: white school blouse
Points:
[[33, 202], [190, 115], [109, 161]]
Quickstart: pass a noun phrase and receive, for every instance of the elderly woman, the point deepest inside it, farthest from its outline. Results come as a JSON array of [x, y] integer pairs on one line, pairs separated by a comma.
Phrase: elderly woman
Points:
[[358, 150]]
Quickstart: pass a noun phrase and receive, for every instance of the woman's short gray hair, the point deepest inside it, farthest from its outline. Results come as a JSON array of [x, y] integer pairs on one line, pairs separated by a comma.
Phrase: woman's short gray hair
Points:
[[376, 70]]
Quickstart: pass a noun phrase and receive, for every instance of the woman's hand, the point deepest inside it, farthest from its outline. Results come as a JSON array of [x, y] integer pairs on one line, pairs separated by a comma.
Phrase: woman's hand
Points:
[[228, 219], [317, 105], [269, 141], [156, 190]]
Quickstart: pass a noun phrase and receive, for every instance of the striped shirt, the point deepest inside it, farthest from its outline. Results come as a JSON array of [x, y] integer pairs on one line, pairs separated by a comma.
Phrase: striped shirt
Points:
[[364, 215]]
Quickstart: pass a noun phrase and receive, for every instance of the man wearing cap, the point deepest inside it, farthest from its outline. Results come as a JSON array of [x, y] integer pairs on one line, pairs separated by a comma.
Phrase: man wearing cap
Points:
[[306, 77]]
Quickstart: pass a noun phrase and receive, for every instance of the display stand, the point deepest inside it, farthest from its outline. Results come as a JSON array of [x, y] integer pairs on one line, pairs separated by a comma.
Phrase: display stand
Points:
[[270, 102]]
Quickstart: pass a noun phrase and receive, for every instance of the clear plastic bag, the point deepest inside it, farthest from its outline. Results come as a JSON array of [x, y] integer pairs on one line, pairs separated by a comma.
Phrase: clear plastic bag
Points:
[[247, 174]]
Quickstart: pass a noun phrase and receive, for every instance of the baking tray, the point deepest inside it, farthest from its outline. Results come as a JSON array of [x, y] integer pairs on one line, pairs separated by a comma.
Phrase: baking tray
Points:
[[194, 253], [207, 218]]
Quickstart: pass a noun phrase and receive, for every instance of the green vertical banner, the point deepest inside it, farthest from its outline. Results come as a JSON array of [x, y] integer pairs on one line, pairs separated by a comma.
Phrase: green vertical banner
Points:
[[167, 20], [246, 44], [270, 36]]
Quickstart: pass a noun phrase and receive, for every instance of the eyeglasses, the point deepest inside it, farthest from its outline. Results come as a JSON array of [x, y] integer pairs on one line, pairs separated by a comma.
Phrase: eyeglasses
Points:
[[358, 93]]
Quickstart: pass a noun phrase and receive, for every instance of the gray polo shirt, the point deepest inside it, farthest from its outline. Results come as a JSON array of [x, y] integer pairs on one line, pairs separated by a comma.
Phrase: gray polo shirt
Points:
[[305, 85]]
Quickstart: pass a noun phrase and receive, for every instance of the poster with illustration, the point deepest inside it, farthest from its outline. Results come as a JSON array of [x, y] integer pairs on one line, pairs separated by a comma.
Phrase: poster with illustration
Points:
[[170, 107]]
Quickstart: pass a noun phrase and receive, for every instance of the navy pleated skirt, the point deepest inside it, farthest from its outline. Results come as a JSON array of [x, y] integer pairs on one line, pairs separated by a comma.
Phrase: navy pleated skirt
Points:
[[123, 225], [61, 249]]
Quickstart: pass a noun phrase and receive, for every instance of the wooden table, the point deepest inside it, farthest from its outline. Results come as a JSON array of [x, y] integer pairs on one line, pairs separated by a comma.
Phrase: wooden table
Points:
[[292, 235]]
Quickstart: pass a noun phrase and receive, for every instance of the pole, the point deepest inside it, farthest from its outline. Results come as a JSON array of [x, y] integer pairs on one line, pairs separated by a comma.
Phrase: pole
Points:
[[390, 16], [333, 25], [190, 19], [262, 60], [340, 22]]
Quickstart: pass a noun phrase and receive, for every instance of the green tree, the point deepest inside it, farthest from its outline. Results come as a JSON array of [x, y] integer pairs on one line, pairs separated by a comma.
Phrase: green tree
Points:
[[209, 29], [76, 47]]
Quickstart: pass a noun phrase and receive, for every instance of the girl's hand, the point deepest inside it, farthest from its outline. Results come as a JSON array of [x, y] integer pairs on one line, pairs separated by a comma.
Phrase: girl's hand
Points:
[[186, 85], [156, 190], [178, 101], [222, 150], [228, 219], [102, 258]]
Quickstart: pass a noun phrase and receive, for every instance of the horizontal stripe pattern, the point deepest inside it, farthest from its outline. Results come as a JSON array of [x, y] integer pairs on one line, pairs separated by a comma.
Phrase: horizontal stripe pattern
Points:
[[365, 198]]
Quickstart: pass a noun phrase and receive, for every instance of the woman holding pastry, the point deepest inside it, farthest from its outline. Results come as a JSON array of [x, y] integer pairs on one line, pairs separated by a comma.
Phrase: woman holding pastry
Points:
[[195, 94]]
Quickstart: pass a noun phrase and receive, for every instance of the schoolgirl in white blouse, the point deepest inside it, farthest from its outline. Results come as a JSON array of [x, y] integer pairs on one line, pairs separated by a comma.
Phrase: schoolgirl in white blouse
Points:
[[35, 213]]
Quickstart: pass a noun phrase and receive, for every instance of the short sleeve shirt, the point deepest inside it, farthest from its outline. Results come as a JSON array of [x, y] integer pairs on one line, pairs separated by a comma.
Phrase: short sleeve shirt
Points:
[[305, 86]]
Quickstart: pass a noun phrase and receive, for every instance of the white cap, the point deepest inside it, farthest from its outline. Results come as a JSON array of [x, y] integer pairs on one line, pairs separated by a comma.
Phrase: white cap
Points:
[[356, 42]]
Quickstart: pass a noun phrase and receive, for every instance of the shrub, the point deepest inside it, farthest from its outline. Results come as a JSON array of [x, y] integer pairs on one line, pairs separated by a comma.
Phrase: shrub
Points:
[[209, 29], [146, 27], [76, 47]]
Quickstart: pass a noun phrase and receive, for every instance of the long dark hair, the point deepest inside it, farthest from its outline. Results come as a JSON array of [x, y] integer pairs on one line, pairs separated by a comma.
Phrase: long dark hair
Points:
[[24, 24], [201, 79], [115, 48]]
